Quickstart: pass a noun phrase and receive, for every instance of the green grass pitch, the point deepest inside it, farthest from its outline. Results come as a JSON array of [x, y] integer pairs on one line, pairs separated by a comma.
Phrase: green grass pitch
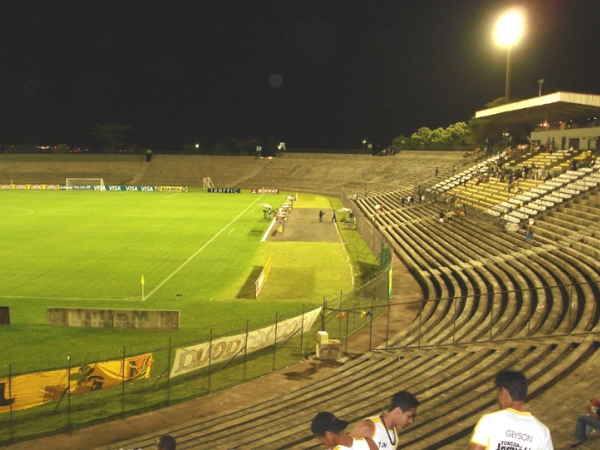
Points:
[[198, 253]]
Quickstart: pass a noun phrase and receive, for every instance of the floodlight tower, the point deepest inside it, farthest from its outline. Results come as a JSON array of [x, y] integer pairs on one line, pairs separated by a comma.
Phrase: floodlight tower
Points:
[[509, 30]]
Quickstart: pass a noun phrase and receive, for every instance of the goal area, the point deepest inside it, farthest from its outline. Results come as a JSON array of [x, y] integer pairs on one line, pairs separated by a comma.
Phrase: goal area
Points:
[[70, 182]]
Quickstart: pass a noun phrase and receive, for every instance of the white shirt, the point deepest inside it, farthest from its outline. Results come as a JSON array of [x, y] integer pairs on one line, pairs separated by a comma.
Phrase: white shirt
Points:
[[511, 429]]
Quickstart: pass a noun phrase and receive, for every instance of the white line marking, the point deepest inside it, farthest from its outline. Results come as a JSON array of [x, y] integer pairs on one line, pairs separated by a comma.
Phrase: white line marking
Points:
[[173, 195], [201, 248], [230, 231]]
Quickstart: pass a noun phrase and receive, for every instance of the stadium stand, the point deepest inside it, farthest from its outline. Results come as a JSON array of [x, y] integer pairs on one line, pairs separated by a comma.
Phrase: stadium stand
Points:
[[490, 300]]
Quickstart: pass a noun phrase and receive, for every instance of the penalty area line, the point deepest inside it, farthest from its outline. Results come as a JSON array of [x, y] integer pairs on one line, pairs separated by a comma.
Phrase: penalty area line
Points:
[[201, 248]]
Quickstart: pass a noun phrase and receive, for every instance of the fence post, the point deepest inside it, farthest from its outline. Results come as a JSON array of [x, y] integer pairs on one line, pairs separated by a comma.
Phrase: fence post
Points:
[[347, 324], [246, 349], [69, 389], [371, 323], [209, 358], [169, 373], [123, 383], [387, 326], [275, 342], [12, 424], [302, 333], [323, 314], [339, 316]]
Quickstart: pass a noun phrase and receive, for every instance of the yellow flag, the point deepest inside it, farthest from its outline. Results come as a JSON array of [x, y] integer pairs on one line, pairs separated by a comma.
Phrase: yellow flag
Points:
[[143, 280]]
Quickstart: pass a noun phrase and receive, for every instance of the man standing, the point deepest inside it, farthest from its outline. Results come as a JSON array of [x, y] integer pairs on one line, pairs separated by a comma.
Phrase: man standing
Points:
[[321, 214], [383, 429], [334, 216], [512, 426], [329, 430]]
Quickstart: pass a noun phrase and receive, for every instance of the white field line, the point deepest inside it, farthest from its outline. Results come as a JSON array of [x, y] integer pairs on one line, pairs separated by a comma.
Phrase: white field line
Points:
[[201, 248], [173, 195], [138, 299], [230, 231]]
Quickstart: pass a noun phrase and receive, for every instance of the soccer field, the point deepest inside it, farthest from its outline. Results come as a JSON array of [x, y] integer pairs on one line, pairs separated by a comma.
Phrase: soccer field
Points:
[[199, 253]]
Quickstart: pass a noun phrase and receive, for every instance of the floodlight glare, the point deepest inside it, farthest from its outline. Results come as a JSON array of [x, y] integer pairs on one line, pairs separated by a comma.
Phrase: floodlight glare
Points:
[[509, 28]]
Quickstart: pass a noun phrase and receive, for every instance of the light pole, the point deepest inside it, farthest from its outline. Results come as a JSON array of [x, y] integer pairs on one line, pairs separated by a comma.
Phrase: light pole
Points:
[[509, 29], [364, 143], [540, 82]]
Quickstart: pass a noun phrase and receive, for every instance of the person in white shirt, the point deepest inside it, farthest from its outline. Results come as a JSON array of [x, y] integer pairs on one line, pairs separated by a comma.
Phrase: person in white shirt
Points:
[[512, 426], [383, 429]]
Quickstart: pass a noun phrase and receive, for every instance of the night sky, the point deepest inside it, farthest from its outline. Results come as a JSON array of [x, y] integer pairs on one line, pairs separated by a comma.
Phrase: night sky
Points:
[[317, 74]]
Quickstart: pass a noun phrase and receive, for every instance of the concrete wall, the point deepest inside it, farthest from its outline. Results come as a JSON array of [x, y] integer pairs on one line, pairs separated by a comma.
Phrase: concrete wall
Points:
[[587, 138]]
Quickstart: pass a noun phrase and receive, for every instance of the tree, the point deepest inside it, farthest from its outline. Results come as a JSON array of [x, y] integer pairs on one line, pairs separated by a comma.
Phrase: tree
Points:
[[219, 148], [62, 149], [244, 145], [401, 142], [421, 137], [490, 131], [112, 134]]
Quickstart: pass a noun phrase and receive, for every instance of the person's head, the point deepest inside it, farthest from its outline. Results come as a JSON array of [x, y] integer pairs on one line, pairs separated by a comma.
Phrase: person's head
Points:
[[403, 408], [166, 442], [327, 428], [512, 387]]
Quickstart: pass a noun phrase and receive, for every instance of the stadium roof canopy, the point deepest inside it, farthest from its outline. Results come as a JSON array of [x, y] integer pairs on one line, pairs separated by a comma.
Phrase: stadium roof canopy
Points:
[[551, 108]]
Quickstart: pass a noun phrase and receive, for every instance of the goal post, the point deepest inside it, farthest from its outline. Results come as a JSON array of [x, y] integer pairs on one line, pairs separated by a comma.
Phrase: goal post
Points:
[[207, 183], [70, 182]]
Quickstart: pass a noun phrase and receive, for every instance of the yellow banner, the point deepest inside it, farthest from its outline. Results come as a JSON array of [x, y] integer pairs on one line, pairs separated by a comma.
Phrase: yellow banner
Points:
[[34, 389]]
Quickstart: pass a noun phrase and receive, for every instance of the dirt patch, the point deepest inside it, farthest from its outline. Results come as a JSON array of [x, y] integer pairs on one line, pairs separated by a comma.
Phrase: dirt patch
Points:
[[303, 226]]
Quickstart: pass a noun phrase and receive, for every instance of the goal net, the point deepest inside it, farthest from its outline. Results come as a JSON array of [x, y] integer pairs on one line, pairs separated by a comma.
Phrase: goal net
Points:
[[84, 182], [207, 183]]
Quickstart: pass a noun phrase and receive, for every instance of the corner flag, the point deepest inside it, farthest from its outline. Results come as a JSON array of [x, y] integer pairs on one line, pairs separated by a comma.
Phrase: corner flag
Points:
[[143, 280]]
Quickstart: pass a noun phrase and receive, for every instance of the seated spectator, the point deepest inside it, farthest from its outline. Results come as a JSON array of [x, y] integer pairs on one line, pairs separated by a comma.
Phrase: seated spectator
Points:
[[166, 442], [587, 422], [329, 430]]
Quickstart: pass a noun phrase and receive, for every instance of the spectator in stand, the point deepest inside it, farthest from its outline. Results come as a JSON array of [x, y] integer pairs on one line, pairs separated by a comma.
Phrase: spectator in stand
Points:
[[586, 423], [166, 442], [436, 171], [540, 173], [410, 200], [529, 236], [402, 201], [441, 218]]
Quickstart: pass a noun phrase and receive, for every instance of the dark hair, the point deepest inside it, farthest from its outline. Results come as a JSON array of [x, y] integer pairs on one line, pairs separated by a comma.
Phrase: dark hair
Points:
[[514, 382], [403, 400], [325, 421], [166, 442]]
